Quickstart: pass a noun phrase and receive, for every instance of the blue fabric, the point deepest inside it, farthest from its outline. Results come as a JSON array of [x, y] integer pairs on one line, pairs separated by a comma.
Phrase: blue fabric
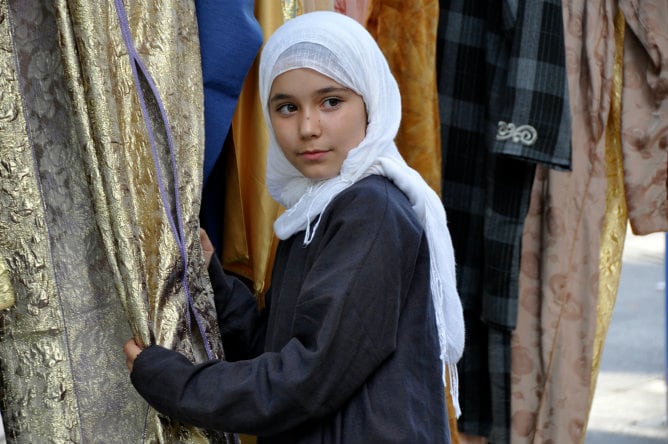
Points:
[[230, 37]]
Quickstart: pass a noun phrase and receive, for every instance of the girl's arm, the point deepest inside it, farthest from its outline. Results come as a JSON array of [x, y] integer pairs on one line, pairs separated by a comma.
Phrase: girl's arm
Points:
[[242, 324]]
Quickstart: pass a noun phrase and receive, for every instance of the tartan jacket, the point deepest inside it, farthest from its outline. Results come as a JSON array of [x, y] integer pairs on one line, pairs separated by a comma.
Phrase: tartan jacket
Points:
[[503, 103]]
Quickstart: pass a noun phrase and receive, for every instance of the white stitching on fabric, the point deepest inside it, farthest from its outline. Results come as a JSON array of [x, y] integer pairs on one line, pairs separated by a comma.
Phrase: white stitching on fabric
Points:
[[524, 134]]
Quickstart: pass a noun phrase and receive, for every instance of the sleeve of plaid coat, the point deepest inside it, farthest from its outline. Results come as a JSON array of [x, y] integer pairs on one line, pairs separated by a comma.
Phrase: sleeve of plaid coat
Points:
[[531, 117]]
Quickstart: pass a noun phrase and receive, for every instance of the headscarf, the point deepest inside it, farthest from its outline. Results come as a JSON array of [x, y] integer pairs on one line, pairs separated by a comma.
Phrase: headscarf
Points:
[[340, 48]]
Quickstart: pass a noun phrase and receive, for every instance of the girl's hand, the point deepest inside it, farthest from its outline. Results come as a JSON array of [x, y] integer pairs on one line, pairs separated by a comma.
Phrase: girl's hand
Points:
[[131, 350], [207, 247]]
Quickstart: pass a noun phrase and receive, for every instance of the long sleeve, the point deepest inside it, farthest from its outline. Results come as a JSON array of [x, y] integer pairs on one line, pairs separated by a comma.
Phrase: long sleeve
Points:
[[242, 324]]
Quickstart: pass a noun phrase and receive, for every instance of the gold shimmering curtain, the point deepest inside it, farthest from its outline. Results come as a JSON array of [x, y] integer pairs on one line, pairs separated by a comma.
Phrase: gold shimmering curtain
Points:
[[406, 33], [6, 288], [249, 241], [616, 213], [89, 253]]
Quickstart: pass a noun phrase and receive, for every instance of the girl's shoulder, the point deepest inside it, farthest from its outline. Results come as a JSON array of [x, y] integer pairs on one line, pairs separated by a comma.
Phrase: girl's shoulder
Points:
[[375, 188], [375, 197]]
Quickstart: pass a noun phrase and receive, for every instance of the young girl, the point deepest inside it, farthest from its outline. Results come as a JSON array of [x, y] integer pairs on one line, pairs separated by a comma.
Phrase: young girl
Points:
[[362, 313]]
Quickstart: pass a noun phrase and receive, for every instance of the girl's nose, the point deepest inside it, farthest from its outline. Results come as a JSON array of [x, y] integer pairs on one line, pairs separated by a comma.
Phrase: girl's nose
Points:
[[309, 125]]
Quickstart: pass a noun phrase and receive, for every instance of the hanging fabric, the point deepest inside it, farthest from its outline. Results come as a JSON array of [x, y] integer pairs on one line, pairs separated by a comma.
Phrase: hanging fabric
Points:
[[504, 109], [644, 114], [84, 232], [574, 232], [357, 9], [406, 33], [226, 59], [6, 288]]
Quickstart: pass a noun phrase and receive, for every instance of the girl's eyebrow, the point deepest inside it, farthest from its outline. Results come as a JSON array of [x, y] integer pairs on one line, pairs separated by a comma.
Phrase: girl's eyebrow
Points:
[[332, 89], [279, 96], [326, 90]]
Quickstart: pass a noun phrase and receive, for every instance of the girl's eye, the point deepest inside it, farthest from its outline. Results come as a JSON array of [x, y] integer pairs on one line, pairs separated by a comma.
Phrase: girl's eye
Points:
[[286, 108], [331, 102]]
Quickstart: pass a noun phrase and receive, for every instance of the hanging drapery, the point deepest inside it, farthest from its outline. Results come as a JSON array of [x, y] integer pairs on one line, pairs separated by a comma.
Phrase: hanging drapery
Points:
[[230, 38], [574, 233], [573, 219], [6, 288], [504, 109], [249, 241], [645, 113], [357, 9], [406, 33], [94, 253]]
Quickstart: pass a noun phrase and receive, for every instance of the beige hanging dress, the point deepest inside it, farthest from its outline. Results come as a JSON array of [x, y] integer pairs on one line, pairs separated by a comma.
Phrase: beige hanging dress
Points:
[[574, 232]]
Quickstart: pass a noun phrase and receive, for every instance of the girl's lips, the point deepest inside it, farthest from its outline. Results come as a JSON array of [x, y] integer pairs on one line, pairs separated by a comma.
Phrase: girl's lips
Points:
[[313, 155]]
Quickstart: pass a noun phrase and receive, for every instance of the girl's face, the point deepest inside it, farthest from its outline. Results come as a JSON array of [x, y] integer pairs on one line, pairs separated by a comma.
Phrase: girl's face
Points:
[[316, 121]]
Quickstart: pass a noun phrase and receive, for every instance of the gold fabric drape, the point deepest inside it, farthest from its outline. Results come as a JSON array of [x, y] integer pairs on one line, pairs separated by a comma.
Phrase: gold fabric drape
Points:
[[249, 241], [6, 288], [406, 33], [616, 214], [83, 231]]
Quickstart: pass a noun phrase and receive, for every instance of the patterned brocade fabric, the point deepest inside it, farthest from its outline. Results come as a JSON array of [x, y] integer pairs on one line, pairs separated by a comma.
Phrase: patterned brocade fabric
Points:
[[575, 229], [89, 252], [645, 113]]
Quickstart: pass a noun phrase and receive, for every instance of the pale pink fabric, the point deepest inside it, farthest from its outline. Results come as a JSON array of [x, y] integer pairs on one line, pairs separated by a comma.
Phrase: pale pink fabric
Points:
[[553, 345], [357, 9], [645, 113]]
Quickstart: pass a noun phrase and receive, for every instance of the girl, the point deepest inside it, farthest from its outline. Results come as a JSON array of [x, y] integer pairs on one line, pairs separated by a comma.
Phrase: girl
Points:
[[362, 313]]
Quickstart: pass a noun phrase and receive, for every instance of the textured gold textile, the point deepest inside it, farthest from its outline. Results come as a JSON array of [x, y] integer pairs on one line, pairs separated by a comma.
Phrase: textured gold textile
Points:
[[82, 228], [293, 8], [37, 388], [248, 249], [6, 287], [406, 32], [616, 213]]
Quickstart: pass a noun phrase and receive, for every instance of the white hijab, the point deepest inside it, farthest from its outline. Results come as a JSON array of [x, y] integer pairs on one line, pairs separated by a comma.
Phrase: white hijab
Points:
[[340, 48]]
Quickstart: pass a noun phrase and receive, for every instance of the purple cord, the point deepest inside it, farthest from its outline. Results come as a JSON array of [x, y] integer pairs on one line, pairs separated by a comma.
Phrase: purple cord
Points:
[[177, 228]]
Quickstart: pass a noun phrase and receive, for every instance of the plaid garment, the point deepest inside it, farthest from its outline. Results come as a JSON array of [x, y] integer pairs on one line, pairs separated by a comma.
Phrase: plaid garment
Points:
[[503, 101]]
